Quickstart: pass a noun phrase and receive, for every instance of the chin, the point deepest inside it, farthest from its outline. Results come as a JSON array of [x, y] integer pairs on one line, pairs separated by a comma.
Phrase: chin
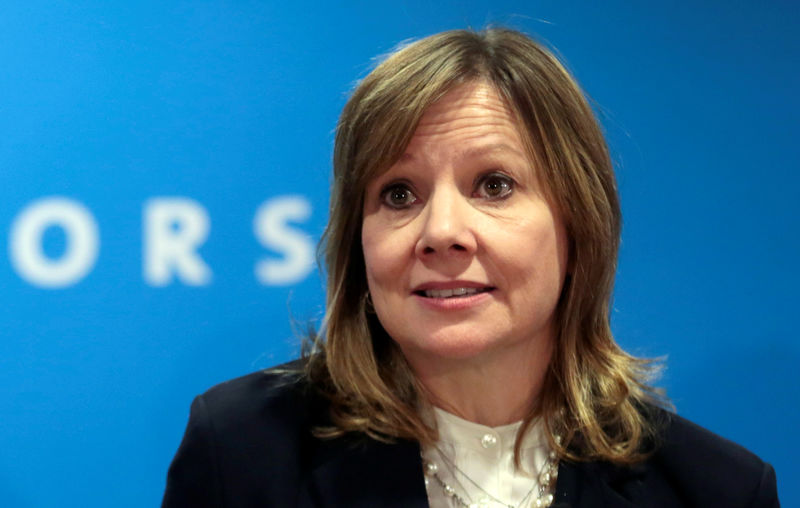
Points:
[[449, 347]]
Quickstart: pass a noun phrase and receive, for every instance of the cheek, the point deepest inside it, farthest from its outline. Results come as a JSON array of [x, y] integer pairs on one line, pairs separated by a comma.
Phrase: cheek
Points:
[[386, 248], [542, 259], [553, 242], [380, 259], [369, 262]]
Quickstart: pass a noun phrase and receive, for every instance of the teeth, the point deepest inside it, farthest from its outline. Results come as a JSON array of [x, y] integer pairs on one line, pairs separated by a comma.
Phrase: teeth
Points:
[[448, 293]]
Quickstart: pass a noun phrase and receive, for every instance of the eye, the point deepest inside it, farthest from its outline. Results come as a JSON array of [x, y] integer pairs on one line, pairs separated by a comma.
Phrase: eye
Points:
[[494, 186], [398, 196]]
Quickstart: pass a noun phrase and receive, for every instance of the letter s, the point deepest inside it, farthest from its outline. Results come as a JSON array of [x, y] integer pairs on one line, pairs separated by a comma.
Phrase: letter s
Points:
[[273, 232]]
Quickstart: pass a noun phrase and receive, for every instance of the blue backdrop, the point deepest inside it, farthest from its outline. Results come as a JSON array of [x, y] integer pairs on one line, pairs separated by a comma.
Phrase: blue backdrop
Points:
[[163, 179]]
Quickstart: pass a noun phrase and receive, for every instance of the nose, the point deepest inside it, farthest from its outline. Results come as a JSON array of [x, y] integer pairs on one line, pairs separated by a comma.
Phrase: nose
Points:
[[446, 229]]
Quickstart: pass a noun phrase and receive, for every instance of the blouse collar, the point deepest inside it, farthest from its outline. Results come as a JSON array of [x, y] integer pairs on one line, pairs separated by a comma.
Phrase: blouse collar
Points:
[[456, 431]]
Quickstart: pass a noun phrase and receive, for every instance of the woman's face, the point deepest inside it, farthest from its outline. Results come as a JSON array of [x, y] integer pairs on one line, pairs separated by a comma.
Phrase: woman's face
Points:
[[464, 256]]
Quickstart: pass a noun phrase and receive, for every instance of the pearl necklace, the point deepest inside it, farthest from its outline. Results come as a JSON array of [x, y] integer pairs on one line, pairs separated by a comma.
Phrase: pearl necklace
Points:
[[544, 496]]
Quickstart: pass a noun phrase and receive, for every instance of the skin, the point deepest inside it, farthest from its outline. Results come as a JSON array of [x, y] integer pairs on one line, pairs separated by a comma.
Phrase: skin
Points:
[[463, 208]]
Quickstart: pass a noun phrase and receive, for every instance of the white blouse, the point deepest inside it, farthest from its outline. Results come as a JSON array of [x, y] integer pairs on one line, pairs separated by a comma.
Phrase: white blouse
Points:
[[478, 463]]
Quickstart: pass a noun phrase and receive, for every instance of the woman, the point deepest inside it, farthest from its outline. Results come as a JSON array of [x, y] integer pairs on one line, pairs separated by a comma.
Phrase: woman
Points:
[[467, 358]]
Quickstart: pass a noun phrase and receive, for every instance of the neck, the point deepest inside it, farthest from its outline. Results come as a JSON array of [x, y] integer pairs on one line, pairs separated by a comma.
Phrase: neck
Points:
[[492, 389]]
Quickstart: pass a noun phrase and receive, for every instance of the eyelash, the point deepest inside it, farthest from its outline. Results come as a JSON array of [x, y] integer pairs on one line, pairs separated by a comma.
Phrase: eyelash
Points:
[[395, 188]]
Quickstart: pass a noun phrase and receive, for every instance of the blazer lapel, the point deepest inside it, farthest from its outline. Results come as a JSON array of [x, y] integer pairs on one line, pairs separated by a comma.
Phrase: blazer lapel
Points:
[[598, 484], [366, 473], [362, 473]]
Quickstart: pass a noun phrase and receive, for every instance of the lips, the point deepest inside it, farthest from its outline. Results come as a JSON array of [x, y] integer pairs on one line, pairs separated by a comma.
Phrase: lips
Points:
[[451, 289], [453, 293]]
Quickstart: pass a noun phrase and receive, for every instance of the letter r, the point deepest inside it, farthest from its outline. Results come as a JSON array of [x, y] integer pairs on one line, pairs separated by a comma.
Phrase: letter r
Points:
[[174, 228]]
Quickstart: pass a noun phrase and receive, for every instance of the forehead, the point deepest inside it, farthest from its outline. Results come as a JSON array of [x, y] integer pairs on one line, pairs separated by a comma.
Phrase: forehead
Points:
[[469, 119], [471, 112]]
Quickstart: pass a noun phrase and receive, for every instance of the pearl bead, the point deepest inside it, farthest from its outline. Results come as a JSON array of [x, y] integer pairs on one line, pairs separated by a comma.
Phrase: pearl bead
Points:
[[544, 478], [544, 502], [488, 440], [449, 491], [431, 468]]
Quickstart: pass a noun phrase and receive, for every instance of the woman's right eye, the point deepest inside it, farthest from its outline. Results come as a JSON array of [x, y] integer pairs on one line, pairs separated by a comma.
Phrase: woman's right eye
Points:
[[398, 196]]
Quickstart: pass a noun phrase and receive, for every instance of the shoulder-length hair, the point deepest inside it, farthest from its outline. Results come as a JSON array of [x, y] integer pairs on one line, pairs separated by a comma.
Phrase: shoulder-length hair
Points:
[[595, 396]]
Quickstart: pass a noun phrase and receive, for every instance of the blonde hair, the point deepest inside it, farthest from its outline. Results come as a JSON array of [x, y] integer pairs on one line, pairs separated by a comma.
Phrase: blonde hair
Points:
[[595, 395]]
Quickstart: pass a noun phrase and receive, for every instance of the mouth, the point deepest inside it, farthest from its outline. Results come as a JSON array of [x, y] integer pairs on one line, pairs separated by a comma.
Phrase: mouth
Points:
[[461, 292]]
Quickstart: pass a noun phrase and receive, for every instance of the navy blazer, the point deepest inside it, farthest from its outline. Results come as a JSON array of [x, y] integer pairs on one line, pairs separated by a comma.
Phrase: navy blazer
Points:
[[248, 444]]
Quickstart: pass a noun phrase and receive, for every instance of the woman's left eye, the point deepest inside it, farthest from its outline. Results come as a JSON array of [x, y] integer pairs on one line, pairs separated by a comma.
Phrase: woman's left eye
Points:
[[494, 186]]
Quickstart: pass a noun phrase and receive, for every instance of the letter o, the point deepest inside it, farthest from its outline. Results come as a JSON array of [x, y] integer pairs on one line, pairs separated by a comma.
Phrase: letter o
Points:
[[25, 246]]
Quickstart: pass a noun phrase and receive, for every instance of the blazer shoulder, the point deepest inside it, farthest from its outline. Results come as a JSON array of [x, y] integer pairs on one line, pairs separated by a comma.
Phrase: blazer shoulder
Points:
[[242, 432], [683, 439], [712, 470], [277, 397]]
